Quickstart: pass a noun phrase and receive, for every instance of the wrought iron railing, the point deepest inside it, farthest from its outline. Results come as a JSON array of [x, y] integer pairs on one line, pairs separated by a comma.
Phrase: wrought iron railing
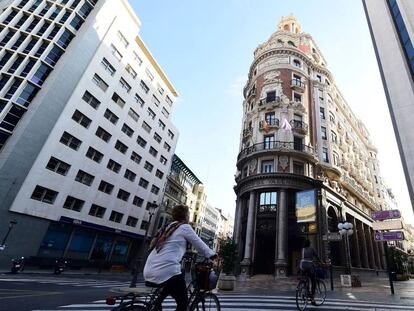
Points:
[[297, 82], [299, 125], [270, 122], [276, 146]]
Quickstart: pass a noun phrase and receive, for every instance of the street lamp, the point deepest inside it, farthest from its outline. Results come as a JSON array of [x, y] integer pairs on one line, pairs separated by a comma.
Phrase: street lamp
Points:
[[140, 254], [3, 243], [346, 230]]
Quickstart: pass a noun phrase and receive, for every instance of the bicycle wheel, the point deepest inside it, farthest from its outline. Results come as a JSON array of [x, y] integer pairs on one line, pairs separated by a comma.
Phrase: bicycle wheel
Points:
[[302, 296], [206, 302], [320, 292]]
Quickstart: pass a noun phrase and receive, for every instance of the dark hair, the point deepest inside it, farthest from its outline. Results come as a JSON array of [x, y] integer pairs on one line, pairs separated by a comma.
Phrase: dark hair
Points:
[[307, 243], [179, 212]]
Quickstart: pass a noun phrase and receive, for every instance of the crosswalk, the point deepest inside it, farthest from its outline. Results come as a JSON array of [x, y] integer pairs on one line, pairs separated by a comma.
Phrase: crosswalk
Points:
[[258, 303], [69, 282]]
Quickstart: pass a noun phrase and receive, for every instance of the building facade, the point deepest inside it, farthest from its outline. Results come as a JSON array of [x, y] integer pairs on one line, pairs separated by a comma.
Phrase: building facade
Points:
[[85, 130], [391, 23], [305, 162]]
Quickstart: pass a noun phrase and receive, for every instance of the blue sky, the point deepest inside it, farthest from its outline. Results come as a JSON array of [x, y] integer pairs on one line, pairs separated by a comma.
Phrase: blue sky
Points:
[[206, 48]]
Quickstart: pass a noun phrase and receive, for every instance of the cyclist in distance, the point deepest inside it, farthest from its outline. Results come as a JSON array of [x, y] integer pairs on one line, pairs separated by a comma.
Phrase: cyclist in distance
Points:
[[307, 265], [167, 250]]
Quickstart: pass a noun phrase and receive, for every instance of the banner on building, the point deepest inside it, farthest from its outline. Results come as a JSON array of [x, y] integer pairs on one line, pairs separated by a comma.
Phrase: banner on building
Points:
[[306, 206]]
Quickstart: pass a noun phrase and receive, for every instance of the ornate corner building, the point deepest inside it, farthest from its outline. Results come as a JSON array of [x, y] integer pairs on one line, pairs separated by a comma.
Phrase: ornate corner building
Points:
[[300, 136]]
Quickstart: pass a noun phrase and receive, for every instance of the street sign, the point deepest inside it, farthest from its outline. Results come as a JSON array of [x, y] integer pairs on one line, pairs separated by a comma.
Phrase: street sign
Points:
[[388, 236], [387, 225], [332, 236], [382, 215]]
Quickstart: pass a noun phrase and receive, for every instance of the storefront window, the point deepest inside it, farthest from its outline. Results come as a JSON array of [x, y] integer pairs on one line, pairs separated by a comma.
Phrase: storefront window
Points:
[[102, 248], [80, 245], [267, 202], [120, 251], [55, 240]]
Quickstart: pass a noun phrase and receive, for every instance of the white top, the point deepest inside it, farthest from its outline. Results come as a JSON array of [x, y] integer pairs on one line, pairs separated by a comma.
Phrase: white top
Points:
[[165, 264]]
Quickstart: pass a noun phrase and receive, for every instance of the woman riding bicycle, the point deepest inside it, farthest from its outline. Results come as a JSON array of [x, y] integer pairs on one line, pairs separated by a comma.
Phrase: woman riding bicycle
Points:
[[167, 249], [307, 265]]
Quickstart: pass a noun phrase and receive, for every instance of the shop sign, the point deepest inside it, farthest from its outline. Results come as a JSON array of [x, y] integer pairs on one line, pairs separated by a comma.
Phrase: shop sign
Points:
[[382, 215], [306, 206], [387, 225], [389, 236]]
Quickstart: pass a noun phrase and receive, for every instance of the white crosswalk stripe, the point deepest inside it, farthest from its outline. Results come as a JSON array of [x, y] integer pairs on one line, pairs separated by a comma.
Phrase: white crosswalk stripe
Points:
[[70, 282], [259, 303]]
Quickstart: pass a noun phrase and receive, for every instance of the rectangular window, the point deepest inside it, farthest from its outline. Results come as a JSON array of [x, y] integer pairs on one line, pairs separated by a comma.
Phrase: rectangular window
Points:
[[325, 156], [170, 134], [108, 67], [122, 39], [297, 143], [113, 166], [54, 55], [297, 97], [80, 118], [153, 151], [323, 132], [322, 113], [27, 94], [58, 166], [100, 82], [335, 157], [138, 201], [133, 114], [130, 175], [123, 195], [168, 100], [7, 37], [267, 166], [73, 204], [160, 89], [165, 112], [112, 117], [65, 39], [157, 138], [334, 137], [151, 113], [41, 74], [270, 96], [118, 100], [70, 141], [44, 195], [149, 74], [115, 52], [102, 134], [269, 141], [155, 101], [84, 178], [121, 147], [76, 22], [163, 160], [131, 71], [137, 58], [143, 183], [91, 100], [146, 127], [124, 85], [167, 147], [148, 166], [94, 155], [320, 94], [161, 124], [139, 100], [127, 130], [144, 87], [97, 211], [116, 217], [155, 189], [298, 168], [132, 221], [106, 187], [144, 225], [136, 157], [85, 9], [159, 174], [141, 141]]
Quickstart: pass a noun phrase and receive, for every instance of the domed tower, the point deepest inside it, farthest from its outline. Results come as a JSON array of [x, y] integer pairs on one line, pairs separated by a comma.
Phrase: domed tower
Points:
[[297, 134]]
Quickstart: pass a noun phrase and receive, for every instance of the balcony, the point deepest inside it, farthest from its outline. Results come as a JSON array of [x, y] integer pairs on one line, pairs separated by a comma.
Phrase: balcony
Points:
[[247, 133], [270, 100], [297, 85], [299, 126], [278, 146], [271, 125]]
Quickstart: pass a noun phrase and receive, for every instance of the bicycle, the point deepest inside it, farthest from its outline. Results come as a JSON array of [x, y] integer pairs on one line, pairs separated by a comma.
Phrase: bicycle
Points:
[[198, 290], [303, 293]]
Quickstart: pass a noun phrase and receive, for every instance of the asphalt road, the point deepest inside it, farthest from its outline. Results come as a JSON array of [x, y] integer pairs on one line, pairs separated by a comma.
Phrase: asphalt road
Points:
[[37, 292]]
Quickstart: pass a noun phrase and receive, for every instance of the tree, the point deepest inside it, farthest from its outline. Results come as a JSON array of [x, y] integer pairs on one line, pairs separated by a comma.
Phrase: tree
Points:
[[228, 255]]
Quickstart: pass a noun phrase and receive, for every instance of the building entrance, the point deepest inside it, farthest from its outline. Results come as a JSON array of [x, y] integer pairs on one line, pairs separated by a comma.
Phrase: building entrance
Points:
[[265, 245]]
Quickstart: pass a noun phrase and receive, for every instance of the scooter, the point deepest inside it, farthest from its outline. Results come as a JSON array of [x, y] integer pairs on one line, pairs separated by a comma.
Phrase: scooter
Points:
[[17, 265], [60, 266]]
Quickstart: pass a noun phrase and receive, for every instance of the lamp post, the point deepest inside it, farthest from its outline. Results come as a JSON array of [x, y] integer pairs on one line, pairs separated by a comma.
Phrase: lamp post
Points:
[[140, 254], [3, 243], [346, 230]]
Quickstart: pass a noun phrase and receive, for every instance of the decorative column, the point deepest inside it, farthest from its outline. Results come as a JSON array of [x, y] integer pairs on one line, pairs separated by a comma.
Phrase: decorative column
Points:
[[370, 247], [246, 262], [361, 235], [281, 261], [237, 220], [356, 245], [376, 251]]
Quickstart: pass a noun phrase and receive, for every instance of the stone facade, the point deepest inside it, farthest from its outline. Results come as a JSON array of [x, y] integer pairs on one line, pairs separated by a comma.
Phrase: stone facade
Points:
[[299, 134]]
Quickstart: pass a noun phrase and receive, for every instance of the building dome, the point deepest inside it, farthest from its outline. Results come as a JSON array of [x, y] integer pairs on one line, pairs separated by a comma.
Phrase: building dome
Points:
[[290, 23]]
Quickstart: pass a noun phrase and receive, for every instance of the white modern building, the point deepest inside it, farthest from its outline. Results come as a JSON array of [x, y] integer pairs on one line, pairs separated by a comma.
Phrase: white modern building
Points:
[[391, 23], [85, 130]]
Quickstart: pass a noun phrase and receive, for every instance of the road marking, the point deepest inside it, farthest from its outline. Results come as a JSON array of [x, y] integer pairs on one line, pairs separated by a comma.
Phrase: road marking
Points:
[[14, 293]]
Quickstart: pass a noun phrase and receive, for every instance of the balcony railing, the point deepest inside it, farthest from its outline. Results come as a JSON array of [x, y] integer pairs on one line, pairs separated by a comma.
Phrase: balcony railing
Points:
[[298, 85], [299, 126], [270, 100], [272, 123], [276, 146]]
